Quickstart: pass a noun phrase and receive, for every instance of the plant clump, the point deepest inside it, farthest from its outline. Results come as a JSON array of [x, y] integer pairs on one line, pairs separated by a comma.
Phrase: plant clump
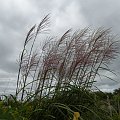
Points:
[[55, 81]]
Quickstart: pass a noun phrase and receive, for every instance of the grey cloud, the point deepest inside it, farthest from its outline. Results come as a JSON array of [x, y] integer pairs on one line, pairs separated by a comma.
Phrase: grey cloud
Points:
[[13, 24], [9, 66], [102, 12], [107, 88], [6, 52]]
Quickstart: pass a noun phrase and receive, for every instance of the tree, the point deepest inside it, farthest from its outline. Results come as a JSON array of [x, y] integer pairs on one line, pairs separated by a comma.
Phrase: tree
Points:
[[116, 91]]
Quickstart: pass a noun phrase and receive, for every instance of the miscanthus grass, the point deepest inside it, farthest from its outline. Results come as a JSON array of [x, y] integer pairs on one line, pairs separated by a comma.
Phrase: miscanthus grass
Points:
[[55, 81]]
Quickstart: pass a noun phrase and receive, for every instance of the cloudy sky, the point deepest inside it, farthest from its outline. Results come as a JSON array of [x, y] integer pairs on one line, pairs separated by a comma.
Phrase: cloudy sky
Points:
[[17, 16]]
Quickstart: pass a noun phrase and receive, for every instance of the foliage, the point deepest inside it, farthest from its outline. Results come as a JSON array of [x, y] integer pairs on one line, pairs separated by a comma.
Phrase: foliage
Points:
[[91, 106], [54, 82]]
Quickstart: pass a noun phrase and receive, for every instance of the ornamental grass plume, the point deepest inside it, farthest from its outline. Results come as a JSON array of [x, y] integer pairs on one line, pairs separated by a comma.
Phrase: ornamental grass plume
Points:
[[76, 116], [74, 59]]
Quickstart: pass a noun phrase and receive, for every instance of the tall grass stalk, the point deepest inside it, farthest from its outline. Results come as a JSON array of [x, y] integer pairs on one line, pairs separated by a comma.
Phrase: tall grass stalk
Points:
[[74, 59]]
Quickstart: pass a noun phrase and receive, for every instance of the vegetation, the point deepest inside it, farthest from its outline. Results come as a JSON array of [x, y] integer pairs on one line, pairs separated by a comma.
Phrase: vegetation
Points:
[[55, 82]]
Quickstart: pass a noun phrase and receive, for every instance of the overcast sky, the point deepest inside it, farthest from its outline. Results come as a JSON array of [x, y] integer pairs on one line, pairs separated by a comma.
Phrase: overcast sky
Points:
[[17, 16]]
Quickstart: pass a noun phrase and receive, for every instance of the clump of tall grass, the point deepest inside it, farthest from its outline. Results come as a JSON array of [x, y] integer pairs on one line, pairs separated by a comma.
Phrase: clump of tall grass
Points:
[[70, 62], [73, 59]]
